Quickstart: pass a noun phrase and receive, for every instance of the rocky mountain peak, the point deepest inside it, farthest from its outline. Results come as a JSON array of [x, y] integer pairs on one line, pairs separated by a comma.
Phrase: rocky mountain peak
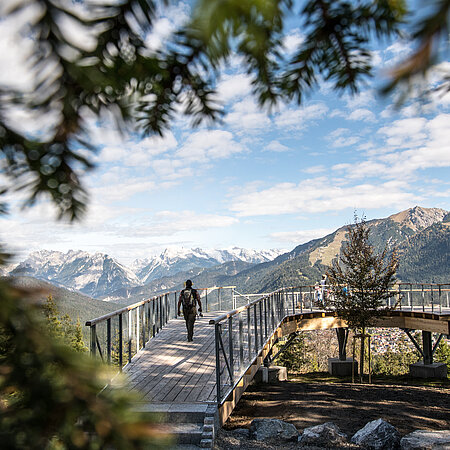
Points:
[[418, 218]]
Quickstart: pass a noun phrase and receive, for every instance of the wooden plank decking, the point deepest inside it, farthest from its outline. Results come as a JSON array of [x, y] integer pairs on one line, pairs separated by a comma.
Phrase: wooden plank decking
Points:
[[171, 370]]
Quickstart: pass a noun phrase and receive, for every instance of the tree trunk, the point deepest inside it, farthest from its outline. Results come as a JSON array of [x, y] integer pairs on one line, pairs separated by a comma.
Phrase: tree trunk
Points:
[[361, 356]]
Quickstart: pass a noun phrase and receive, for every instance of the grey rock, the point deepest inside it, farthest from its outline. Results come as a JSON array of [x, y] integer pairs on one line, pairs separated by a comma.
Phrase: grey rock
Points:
[[426, 440], [377, 435], [241, 433], [323, 435], [265, 429]]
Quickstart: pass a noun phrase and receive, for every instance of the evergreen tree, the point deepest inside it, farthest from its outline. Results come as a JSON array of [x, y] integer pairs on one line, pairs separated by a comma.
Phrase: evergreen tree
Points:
[[361, 279], [77, 341], [443, 353], [62, 327], [54, 396], [51, 312], [293, 357]]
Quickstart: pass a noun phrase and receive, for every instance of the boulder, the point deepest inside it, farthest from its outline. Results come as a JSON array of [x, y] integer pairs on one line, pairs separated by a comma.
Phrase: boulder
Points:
[[267, 429], [426, 440], [240, 433], [377, 435], [325, 435]]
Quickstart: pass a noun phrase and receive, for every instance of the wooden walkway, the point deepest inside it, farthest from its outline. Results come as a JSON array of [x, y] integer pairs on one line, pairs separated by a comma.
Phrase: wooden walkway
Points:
[[171, 370]]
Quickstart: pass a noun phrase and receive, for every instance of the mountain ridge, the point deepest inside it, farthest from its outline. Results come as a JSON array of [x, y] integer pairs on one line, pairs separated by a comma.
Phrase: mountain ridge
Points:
[[422, 236]]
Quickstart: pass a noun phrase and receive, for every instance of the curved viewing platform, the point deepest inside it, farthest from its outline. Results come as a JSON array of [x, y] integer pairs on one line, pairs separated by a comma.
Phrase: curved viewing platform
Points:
[[168, 373]]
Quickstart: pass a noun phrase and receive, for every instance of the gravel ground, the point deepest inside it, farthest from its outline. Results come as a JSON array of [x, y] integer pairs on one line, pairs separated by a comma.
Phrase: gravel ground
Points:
[[349, 406]]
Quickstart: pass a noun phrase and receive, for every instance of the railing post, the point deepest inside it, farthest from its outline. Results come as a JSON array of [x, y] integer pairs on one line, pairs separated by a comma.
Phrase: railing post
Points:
[[108, 340], [151, 320], [206, 300], [423, 300], [230, 347], [217, 332], [120, 342], [432, 298], [241, 344], [130, 335], [266, 300], [161, 312], [144, 323], [256, 328], [260, 325], [272, 313], [138, 343], [175, 306], [249, 335], [93, 340]]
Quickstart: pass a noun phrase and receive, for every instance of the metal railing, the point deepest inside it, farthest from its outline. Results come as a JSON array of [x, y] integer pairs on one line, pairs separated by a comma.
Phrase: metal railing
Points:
[[241, 334], [429, 297], [116, 337]]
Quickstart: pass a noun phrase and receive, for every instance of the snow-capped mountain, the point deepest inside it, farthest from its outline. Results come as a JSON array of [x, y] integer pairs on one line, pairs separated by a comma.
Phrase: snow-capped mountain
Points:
[[94, 275], [174, 260], [99, 275]]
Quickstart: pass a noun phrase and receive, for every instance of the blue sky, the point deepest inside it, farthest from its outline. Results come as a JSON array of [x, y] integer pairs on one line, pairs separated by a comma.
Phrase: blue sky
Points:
[[257, 180]]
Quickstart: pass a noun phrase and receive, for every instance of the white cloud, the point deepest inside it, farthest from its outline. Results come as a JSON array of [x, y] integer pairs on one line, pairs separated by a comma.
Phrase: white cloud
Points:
[[300, 236], [396, 52], [167, 223], [342, 137], [247, 116], [363, 98], [171, 169], [293, 40], [277, 147], [299, 118], [134, 152], [405, 132], [320, 195], [206, 145], [121, 190], [169, 19], [363, 115], [412, 145], [315, 169], [234, 86]]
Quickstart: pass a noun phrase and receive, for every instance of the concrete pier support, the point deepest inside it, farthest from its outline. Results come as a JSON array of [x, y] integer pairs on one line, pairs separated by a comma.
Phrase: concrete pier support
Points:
[[433, 370], [339, 368]]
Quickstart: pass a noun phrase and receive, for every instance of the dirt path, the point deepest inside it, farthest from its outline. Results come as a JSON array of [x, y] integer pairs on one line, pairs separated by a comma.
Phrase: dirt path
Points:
[[408, 408]]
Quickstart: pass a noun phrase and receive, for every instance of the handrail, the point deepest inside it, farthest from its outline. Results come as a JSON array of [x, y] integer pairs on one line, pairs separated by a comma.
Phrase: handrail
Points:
[[128, 329], [124, 309], [228, 314]]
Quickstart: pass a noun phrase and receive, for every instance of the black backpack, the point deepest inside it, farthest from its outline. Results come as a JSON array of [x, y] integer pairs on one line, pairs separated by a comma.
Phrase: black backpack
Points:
[[189, 298]]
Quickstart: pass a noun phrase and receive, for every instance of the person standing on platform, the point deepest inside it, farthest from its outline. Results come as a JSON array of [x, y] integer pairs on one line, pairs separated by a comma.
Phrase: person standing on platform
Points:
[[189, 298]]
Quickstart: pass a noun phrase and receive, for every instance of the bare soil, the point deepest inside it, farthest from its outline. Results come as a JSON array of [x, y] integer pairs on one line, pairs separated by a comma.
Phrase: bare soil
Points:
[[349, 406]]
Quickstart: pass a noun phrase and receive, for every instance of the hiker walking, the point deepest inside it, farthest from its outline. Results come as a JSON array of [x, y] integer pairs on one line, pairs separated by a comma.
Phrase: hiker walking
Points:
[[189, 298]]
